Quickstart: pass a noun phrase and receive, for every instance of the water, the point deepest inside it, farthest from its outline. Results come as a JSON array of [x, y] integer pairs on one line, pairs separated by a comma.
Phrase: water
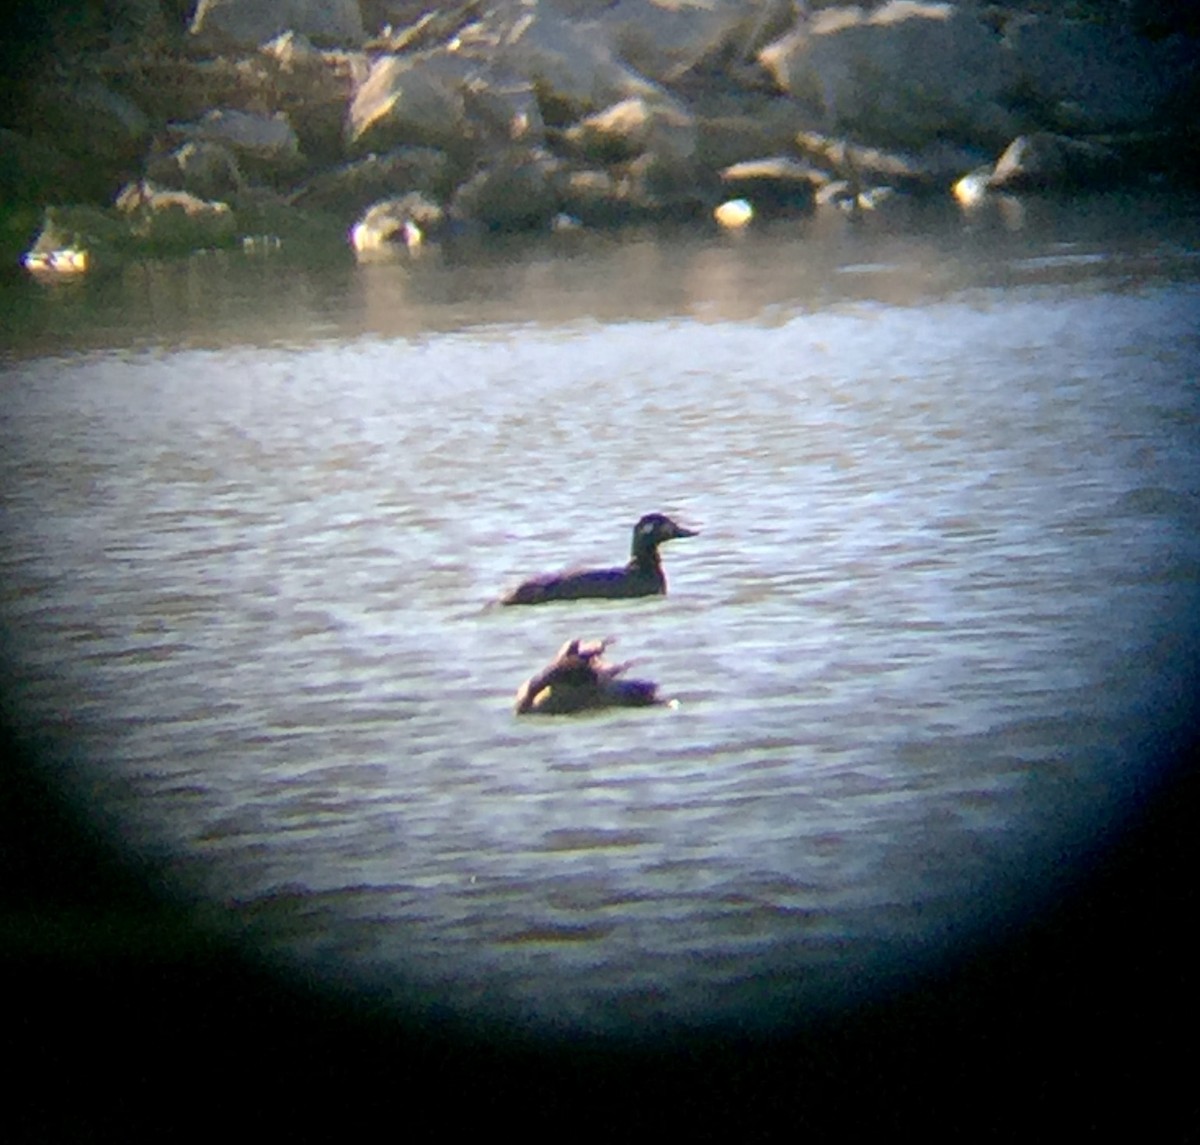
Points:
[[945, 477]]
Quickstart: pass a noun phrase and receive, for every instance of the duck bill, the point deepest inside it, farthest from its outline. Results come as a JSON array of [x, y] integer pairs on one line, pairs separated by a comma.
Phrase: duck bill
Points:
[[680, 531]]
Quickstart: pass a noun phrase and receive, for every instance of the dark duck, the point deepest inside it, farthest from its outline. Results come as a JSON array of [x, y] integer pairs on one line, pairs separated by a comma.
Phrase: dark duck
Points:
[[642, 576], [579, 680]]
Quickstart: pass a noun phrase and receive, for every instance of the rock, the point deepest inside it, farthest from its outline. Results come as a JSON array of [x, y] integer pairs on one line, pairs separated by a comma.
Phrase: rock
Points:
[[248, 23], [401, 26], [265, 146], [520, 191], [411, 99], [395, 225], [1090, 77], [936, 165], [351, 188], [208, 170], [571, 64], [174, 222], [293, 51], [502, 109], [1046, 161], [775, 185], [102, 131], [445, 99], [731, 136], [653, 189], [595, 197], [636, 126], [901, 74], [636, 191], [268, 138], [662, 39]]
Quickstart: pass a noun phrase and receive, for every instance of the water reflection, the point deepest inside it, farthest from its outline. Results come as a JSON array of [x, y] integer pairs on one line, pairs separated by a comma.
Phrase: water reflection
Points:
[[901, 256]]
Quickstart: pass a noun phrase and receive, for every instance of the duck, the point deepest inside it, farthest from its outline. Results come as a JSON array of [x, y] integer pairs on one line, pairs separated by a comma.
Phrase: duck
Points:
[[642, 576], [579, 680]]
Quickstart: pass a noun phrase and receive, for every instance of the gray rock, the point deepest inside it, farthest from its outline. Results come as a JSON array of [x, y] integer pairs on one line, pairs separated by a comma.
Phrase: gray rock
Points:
[[87, 118], [663, 40], [730, 131], [571, 64], [652, 188], [411, 99], [443, 98], [1090, 77], [248, 23], [203, 168], [294, 51], [901, 74], [268, 138], [501, 110], [774, 185], [352, 187], [595, 197], [1047, 161], [520, 191], [637, 126]]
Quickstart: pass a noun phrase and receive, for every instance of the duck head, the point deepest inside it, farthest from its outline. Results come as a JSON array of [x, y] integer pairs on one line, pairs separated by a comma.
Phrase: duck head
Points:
[[653, 529]]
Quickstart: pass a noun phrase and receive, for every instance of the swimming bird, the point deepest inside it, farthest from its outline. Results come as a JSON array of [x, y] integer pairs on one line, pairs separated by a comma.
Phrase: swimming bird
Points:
[[579, 680], [642, 576]]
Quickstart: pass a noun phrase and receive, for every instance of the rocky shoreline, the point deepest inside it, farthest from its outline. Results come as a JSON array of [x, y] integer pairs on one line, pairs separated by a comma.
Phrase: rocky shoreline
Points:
[[380, 125]]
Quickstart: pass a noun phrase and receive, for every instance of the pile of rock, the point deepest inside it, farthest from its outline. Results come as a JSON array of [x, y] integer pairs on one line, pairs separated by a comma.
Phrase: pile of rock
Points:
[[382, 121]]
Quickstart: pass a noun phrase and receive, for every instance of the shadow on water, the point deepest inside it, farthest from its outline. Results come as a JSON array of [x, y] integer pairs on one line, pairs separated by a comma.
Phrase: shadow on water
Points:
[[921, 825]]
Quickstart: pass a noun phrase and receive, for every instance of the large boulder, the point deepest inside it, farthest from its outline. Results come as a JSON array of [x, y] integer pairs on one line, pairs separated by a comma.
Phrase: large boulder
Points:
[[900, 74], [519, 191], [202, 167], [729, 130], [102, 131], [265, 146], [269, 138], [774, 185], [248, 23], [663, 39], [351, 188], [652, 188], [636, 126], [443, 98], [410, 99], [1088, 77], [571, 63], [313, 87]]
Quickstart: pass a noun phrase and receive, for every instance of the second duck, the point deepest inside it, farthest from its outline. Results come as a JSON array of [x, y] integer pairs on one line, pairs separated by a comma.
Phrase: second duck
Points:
[[642, 576]]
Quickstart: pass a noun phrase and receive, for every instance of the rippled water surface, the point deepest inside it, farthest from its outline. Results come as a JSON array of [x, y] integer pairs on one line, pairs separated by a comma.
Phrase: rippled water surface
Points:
[[946, 483]]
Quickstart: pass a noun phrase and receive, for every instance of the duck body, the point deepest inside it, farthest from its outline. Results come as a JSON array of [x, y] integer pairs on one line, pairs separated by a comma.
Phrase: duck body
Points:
[[642, 576], [579, 680]]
